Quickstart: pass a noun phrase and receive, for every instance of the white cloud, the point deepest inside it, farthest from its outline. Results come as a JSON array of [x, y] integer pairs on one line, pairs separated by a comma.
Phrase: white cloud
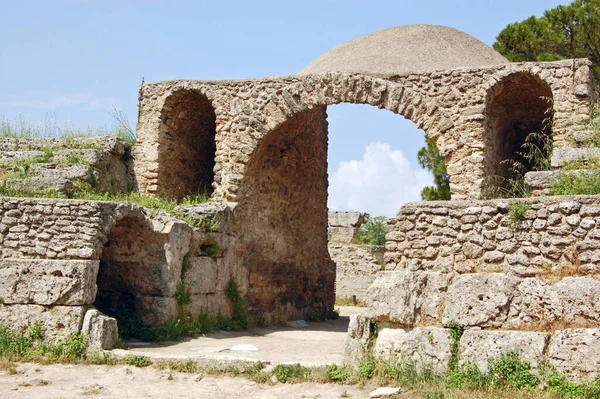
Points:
[[64, 101], [379, 183]]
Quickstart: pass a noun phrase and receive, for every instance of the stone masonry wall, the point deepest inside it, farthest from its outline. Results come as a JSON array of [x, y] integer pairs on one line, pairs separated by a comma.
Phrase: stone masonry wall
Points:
[[448, 105], [517, 274], [61, 258]]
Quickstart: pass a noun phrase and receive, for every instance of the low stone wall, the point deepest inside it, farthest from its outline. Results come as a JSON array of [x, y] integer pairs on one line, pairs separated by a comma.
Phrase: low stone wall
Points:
[[517, 275], [524, 237]]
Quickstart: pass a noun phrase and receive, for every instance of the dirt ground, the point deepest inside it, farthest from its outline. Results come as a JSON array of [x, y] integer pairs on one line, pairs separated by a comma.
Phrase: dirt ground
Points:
[[317, 344], [70, 381]]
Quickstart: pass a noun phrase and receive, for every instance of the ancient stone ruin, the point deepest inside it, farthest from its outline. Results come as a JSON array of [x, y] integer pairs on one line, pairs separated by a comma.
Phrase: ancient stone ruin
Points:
[[259, 148], [356, 264]]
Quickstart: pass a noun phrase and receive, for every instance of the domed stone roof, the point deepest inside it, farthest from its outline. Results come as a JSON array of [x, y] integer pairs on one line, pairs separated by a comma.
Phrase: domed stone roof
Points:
[[404, 49]]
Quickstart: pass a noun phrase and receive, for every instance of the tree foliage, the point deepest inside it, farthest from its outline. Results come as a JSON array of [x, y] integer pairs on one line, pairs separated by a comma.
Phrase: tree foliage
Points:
[[373, 231], [429, 158], [571, 31]]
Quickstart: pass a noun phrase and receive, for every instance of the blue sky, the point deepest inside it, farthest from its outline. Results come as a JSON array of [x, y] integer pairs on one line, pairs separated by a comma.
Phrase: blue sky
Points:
[[74, 60]]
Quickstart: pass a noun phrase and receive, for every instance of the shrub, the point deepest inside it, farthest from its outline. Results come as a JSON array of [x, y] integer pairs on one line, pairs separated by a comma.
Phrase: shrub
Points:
[[137, 360], [373, 231], [338, 373]]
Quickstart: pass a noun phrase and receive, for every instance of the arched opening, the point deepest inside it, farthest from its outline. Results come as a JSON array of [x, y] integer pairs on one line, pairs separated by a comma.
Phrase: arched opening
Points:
[[132, 278], [518, 136], [187, 145], [281, 218]]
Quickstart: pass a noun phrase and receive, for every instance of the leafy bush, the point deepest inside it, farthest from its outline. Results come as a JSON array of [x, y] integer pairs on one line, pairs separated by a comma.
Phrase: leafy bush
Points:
[[285, 372], [373, 231], [510, 370], [338, 373]]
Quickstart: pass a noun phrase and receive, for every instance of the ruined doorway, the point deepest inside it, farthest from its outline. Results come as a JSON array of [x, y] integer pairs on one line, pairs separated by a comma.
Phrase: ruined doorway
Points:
[[187, 145], [131, 278], [518, 129]]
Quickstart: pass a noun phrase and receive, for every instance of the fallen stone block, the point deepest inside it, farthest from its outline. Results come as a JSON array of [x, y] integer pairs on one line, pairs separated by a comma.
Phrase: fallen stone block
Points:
[[101, 331]]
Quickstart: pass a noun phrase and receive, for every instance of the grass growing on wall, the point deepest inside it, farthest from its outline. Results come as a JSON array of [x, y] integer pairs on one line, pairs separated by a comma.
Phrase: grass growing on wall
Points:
[[19, 128]]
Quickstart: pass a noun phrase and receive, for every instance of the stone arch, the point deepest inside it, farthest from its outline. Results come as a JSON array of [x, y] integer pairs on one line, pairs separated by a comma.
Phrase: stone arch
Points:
[[281, 215], [517, 105], [186, 153], [281, 219], [131, 276]]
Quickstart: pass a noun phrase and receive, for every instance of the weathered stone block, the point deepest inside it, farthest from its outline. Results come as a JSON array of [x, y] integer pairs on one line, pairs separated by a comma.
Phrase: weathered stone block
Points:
[[479, 299], [156, 310], [347, 219], [201, 278], [48, 282], [424, 347], [407, 297], [101, 331], [58, 322], [576, 353], [480, 346], [357, 339]]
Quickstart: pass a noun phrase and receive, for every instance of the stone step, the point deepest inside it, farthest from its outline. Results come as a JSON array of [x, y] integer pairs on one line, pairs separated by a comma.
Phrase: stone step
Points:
[[583, 137], [563, 155], [541, 182]]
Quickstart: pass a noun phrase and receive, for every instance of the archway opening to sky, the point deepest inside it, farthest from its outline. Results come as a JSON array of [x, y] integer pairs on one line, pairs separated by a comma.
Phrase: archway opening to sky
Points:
[[372, 160]]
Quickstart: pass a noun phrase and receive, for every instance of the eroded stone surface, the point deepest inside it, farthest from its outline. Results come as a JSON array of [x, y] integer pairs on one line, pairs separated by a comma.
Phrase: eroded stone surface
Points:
[[359, 334], [576, 352], [58, 322], [101, 331], [426, 346], [407, 297], [479, 299], [479, 346], [48, 282]]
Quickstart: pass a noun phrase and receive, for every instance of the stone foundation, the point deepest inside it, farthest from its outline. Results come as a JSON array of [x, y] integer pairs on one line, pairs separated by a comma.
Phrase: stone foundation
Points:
[[518, 275]]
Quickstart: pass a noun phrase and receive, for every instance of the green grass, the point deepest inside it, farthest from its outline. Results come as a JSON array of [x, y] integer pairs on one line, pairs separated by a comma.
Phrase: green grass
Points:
[[29, 345], [577, 183], [136, 360], [517, 212]]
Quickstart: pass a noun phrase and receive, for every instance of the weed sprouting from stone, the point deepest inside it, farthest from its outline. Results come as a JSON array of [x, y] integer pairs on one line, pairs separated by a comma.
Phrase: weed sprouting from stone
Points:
[[517, 214]]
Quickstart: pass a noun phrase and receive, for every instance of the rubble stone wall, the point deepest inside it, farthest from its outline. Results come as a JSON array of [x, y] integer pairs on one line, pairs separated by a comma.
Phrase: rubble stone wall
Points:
[[450, 106]]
